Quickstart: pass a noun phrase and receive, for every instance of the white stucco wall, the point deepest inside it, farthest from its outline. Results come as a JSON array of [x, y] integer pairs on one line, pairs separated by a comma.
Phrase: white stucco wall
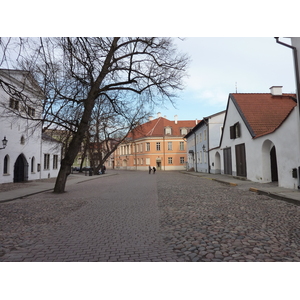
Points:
[[31, 146], [258, 150]]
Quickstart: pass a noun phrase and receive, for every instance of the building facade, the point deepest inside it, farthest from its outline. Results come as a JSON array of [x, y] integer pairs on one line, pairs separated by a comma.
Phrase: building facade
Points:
[[28, 155], [202, 142], [158, 143]]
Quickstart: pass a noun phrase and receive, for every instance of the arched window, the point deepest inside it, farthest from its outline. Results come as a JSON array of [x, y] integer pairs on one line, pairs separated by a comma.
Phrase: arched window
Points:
[[32, 170], [6, 164], [183, 131], [168, 130]]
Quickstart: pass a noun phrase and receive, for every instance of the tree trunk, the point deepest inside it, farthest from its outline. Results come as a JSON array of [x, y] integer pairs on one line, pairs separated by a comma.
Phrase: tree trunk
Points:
[[78, 137]]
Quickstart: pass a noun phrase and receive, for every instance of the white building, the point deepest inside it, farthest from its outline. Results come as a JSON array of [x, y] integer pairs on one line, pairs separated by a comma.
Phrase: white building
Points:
[[260, 137], [28, 155], [202, 142]]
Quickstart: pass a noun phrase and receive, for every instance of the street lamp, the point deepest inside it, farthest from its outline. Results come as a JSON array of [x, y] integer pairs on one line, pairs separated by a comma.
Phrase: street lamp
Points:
[[4, 143]]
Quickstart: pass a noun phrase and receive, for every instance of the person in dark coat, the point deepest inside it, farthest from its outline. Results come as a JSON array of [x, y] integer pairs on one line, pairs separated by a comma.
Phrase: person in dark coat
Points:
[[154, 169], [150, 170]]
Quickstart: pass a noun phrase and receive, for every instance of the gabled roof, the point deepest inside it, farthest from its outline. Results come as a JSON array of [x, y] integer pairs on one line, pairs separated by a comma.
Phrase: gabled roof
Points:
[[156, 128], [263, 113]]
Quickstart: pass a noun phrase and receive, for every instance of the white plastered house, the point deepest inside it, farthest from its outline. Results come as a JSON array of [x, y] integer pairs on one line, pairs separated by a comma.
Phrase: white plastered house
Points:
[[260, 139], [28, 155], [203, 142]]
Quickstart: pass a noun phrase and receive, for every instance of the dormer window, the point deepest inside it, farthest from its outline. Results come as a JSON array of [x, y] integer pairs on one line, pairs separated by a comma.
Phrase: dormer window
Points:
[[235, 131], [183, 131], [168, 130]]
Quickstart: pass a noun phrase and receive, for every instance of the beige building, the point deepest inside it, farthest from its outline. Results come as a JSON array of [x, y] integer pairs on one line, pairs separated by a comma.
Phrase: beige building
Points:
[[159, 142]]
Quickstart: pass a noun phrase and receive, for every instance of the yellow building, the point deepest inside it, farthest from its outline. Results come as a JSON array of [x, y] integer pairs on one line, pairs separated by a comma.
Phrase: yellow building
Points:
[[158, 143]]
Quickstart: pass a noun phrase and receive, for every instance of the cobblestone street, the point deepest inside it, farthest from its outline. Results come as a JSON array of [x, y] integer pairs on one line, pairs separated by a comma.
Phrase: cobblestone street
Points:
[[134, 216]]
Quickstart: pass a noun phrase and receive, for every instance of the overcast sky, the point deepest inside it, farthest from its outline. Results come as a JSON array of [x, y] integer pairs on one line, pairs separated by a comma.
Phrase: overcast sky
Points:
[[223, 65]]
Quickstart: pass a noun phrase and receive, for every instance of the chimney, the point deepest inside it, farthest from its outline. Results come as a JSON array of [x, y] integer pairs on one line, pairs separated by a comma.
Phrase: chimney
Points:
[[150, 118], [276, 90], [158, 114], [176, 119], [196, 121]]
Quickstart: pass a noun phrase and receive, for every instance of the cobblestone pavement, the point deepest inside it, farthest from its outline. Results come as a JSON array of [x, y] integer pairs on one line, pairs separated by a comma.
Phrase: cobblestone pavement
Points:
[[107, 219], [135, 216], [203, 220]]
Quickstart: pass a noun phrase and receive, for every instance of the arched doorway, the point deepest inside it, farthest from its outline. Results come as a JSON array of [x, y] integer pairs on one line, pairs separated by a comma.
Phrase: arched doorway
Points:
[[269, 162], [274, 171], [21, 169], [217, 163]]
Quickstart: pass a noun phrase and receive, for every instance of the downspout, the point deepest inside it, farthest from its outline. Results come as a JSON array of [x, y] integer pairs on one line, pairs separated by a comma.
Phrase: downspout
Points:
[[295, 56], [195, 151], [208, 161]]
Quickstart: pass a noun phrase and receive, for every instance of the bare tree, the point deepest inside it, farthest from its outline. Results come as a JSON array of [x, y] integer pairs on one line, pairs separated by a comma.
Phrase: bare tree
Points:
[[124, 73]]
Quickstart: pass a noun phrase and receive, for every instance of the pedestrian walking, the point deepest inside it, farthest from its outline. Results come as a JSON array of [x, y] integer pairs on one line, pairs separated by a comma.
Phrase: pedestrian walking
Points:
[[150, 170], [154, 169]]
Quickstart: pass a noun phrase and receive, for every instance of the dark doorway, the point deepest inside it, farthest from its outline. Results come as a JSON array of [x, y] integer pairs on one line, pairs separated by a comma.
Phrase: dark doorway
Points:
[[240, 154], [21, 169], [227, 161], [158, 165], [274, 171]]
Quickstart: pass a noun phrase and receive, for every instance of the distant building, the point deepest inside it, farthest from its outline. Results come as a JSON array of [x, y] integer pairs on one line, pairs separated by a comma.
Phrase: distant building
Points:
[[202, 142], [158, 143]]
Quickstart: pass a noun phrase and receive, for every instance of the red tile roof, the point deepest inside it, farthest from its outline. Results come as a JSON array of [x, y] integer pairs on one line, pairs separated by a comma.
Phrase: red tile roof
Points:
[[156, 128], [264, 113]]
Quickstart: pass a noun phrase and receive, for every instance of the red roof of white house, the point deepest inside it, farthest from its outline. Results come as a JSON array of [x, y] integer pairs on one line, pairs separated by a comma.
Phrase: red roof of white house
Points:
[[263, 113]]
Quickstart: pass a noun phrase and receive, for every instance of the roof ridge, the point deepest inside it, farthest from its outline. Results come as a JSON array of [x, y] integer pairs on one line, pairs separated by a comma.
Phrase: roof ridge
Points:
[[151, 131]]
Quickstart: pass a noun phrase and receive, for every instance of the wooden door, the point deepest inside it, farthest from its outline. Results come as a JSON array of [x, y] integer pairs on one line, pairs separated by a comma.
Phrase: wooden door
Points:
[[227, 161], [240, 155]]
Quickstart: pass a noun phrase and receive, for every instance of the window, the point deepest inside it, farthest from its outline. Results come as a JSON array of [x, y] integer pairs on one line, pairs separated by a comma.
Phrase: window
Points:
[[200, 134], [204, 135], [14, 104], [31, 112], [235, 131], [46, 161], [181, 160], [32, 165], [169, 145], [170, 160], [183, 131], [158, 146], [141, 147], [147, 161], [168, 130], [6, 164], [147, 146], [55, 161], [200, 157], [181, 146], [22, 140]]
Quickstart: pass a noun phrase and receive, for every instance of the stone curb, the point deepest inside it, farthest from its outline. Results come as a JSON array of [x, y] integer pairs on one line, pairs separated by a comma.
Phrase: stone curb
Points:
[[275, 196]]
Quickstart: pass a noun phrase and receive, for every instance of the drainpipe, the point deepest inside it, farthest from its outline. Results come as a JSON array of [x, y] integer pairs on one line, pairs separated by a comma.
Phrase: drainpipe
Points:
[[297, 83], [208, 161], [195, 151]]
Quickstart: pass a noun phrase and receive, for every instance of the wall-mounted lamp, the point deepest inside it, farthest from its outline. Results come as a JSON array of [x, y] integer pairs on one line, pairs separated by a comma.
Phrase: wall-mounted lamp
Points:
[[4, 143], [204, 148]]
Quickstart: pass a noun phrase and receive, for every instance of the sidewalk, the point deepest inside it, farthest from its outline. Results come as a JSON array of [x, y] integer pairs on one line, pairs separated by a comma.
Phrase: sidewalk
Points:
[[269, 189], [39, 186]]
